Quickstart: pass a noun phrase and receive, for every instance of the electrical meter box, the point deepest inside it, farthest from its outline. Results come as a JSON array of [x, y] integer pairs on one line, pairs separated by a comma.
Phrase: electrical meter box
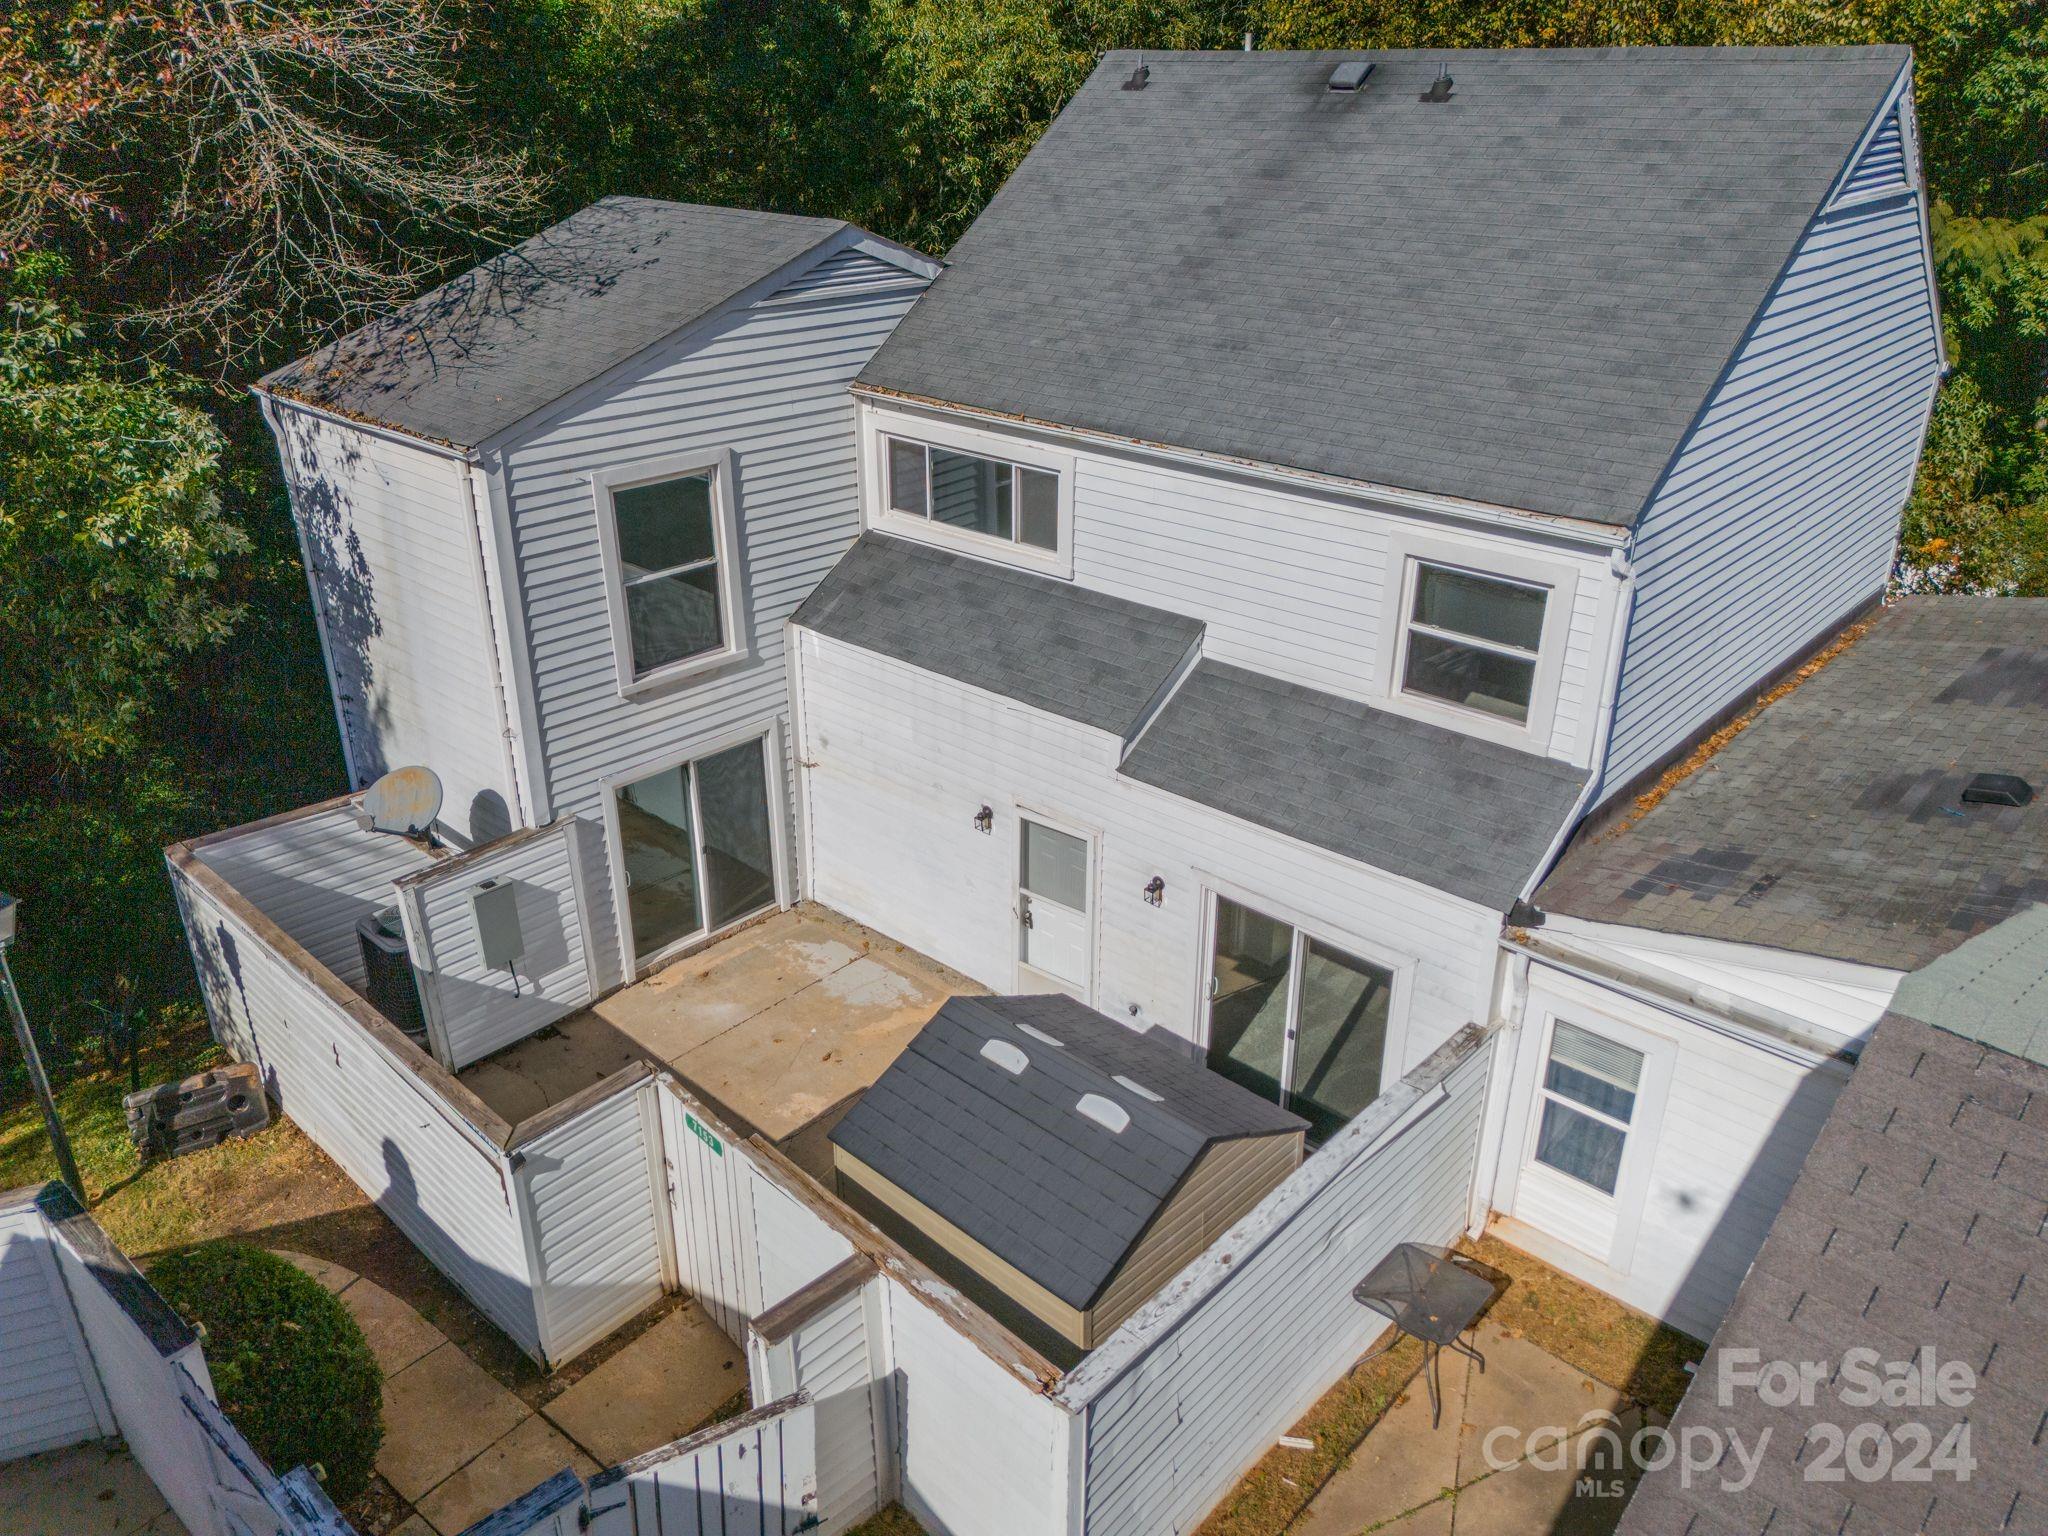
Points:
[[496, 904]]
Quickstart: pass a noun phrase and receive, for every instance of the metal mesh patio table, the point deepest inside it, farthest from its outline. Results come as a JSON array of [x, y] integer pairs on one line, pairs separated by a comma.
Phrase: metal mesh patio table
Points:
[[1432, 1294]]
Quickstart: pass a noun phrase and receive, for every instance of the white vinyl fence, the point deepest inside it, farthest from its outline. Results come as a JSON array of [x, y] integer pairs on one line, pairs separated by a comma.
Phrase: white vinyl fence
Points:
[[1201, 1381], [145, 1377], [753, 1476]]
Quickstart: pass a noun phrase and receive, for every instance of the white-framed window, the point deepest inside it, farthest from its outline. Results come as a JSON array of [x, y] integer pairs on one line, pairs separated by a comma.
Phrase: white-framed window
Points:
[[973, 491], [1475, 637], [669, 540], [1586, 1106]]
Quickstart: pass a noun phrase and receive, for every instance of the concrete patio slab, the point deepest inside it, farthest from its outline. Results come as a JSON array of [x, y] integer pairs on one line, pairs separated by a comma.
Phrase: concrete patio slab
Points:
[[396, 1333], [96, 1489], [533, 1451], [670, 1381], [776, 1026], [1519, 1376], [1402, 1465], [441, 1412]]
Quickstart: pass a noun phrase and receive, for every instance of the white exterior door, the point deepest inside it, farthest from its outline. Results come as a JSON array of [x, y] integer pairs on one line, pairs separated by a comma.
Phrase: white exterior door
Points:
[[1584, 1144], [1054, 937]]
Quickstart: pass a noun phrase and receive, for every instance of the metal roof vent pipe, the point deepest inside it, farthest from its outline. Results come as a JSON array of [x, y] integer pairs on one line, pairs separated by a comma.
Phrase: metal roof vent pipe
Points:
[[1440, 87], [1350, 75], [1138, 78]]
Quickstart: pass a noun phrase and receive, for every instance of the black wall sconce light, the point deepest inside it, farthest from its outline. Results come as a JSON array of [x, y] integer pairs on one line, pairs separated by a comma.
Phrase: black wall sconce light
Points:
[[984, 820], [1155, 891]]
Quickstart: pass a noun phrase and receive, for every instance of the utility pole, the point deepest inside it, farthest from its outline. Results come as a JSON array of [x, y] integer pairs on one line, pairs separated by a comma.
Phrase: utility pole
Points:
[[67, 1166]]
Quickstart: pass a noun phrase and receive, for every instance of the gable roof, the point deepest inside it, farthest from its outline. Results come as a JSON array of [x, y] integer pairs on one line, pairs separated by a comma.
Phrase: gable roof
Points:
[[507, 338], [1434, 805], [1007, 1158], [1916, 1223], [1056, 646], [1832, 825], [1520, 296]]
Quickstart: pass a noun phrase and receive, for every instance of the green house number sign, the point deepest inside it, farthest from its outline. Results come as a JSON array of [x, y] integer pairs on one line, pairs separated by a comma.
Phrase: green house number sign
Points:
[[703, 1134]]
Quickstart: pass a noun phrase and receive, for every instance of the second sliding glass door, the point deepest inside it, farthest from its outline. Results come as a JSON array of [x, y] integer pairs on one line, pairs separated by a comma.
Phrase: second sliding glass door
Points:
[[1295, 1019], [697, 848]]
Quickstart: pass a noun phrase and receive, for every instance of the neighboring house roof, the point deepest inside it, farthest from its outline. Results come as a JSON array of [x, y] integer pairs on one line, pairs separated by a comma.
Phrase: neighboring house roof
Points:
[[1520, 296], [1051, 644], [1915, 1224], [503, 340], [1833, 825], [1440, 807], [1010, 1161]]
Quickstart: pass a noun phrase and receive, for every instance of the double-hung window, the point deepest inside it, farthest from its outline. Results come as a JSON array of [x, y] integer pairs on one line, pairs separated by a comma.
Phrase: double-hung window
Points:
[[1473, 641], [1015, 504], [666, 531], [1588, 1102]]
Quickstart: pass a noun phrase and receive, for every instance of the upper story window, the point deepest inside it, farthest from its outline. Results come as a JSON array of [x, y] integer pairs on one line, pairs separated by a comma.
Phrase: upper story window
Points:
[[991, 497], [667, 534], [1474, 641]]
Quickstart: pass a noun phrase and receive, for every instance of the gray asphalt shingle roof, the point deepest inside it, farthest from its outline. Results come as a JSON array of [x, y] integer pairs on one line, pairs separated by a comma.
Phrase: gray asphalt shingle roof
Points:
[[1463, 815], [491, 347], [1833, 825], [1519, 296], [1009, 1161], [1916, 1223], [1079, 654]]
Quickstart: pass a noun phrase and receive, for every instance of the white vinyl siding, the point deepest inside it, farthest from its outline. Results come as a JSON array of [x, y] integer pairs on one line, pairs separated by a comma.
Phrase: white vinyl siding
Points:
[[50, 1394], [1290, 582], [596, 1212], [768, 384], [437, 1179], [396, 572], [833, 1363], [1721, 1152], [477, 1010], [902, 760], [1781, 512]]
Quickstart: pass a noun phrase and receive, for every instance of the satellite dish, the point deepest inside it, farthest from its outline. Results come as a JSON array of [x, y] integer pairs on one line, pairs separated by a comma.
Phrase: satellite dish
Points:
[[405, 801]]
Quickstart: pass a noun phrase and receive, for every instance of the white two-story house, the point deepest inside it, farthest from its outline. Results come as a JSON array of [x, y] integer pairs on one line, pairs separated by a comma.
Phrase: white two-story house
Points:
[[1315, 486]]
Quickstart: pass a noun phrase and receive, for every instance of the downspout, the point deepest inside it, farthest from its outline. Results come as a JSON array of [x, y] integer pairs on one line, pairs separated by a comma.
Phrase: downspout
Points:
[[1623, 566], [522, 815], [265, 404]]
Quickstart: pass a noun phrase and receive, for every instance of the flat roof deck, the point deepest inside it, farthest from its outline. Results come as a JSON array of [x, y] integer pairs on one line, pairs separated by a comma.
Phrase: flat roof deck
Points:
[[779, 1028]]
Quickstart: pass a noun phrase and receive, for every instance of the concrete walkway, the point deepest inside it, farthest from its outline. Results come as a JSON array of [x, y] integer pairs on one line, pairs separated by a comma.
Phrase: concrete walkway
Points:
[[1527, 1448], [457, 1445], [97, 1489]]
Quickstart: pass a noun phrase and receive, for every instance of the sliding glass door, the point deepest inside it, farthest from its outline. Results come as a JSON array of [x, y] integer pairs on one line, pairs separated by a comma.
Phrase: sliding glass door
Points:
[[1296, 1019], [697, 848]]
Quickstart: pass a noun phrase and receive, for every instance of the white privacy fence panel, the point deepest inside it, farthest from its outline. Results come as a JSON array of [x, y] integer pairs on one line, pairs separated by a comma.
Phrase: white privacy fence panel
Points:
[[474, 1008], [596, 1205], [374, 1103], [755, 1476], [840, 1366], [1202, 1380], [50, 1394]]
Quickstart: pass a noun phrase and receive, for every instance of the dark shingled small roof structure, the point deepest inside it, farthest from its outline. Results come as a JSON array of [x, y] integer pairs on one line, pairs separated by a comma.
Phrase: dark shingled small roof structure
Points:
[[489, 348], [1462, 815], [1009, 1160], [1834, 824], [1079, 654], [1916, 1224], [1521, 295]]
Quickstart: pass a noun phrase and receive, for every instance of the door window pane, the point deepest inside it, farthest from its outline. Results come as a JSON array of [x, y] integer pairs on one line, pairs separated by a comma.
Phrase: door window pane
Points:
[[739, 844], [1589, 1098], [1055, 866], [907, 477], [1340, 1039], [1248, 992], [661, 859]]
